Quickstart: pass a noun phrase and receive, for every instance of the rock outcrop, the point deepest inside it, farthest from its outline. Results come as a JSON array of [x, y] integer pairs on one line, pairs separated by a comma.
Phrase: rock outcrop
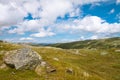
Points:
[[22, 59]]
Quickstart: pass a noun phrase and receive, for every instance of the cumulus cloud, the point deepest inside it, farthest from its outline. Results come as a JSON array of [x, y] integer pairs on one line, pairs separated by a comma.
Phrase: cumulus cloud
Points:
[[43, 34], [91, 24], [31, 25], [45, 14], [12, 12]]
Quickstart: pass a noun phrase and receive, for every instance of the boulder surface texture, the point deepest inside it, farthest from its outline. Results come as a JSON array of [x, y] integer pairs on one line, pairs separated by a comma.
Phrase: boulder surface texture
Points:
[[22, 59]]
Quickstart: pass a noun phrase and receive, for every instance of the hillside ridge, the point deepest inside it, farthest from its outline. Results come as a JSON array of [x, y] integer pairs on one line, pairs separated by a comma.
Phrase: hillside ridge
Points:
[[98, 43]]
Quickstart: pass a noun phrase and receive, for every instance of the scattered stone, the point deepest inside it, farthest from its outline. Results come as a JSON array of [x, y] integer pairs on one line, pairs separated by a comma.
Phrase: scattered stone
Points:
[[56, 59], [13, 73], [69, 70], [50, 69], [43, 64], [22, 59], [77, 52], [86, 74], [104, 53], [3, 66], [117, 50], [38, 70]]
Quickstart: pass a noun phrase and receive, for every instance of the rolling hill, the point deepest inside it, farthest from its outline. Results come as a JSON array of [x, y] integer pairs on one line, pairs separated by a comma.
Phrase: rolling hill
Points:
[[99, 44]]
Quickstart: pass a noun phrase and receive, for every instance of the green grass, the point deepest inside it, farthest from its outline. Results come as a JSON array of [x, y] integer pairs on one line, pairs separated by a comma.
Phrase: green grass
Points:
[[12, 74], [87, 64], [66, 60], [99, 44], [98, 66], [4, 46]]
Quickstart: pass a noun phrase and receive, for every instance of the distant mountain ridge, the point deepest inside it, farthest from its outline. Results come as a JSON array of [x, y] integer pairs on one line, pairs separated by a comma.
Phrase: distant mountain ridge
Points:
[[100, 43]]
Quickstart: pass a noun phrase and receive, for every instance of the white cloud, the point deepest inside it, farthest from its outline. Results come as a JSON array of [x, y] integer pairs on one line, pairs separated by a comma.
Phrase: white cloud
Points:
[[75, 12], [31, 25], [94, 37], [82, 2], [13, 11], [117, 1], [43, 34], [90, 24], [95, 4], [51, 9], [26, 39], [20, 39], [10, 14]]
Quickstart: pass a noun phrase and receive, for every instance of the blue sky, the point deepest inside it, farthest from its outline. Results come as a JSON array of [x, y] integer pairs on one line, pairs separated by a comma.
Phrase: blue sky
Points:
[[52, 21]]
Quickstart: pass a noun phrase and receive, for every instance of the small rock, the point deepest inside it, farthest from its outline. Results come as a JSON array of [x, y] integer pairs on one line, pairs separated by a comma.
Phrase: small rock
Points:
[[69, 70], [13, 73], [86, 74], [50, 69], [104, 53], [3, 66], [56, 59], [77, 52], [117, 50], [43, 64], [38, 70]]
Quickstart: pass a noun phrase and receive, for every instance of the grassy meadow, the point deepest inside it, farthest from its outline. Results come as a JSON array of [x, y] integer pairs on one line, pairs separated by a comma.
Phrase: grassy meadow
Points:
[[85, 64]]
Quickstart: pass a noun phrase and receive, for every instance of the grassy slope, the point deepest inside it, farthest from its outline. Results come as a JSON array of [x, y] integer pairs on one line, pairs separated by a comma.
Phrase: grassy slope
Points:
[[100, 44], [66, 60], [99, 64]]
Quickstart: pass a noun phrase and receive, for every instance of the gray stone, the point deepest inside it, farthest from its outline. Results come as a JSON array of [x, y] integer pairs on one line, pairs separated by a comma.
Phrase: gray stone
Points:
[[50, 69], [69, 70], [3, 66], [22, 59], [43, 63]]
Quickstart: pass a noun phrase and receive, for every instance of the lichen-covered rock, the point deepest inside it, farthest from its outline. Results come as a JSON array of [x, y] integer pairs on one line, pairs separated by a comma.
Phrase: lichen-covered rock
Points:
[[22, 59]]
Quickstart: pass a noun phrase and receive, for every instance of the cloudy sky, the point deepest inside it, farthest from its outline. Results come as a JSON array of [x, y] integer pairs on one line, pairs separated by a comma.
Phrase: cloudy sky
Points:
[[51, 21]]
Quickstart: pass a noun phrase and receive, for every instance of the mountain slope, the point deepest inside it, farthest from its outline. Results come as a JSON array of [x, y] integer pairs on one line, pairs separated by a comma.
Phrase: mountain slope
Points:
[[100, 44]]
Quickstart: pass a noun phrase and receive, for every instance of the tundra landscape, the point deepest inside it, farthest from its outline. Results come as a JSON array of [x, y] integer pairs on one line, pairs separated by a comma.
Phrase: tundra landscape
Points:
[[59, 39]]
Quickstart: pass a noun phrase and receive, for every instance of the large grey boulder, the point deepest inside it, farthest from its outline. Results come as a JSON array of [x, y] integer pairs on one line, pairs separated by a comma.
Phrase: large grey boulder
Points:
[[22, 59]]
